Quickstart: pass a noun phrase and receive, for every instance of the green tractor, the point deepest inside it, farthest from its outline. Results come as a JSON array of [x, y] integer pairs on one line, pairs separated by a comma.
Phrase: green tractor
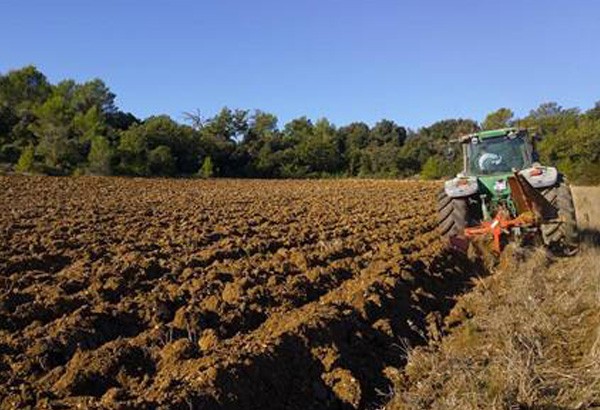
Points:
[[503, 193]]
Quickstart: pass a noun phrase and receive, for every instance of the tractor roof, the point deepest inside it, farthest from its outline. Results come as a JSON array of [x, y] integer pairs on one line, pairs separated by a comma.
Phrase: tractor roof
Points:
[[495, 133], [483, 135]]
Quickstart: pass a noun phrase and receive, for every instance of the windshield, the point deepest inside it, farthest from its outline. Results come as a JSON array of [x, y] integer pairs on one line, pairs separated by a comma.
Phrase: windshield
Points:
[[497, 155]]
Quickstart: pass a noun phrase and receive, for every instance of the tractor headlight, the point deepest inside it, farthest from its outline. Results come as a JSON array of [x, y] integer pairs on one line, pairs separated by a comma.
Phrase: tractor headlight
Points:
[[461, 187]]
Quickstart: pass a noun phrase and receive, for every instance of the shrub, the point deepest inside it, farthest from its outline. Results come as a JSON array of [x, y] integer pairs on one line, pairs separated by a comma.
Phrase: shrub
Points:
[[25, 163], [432, 169], [206, 170]]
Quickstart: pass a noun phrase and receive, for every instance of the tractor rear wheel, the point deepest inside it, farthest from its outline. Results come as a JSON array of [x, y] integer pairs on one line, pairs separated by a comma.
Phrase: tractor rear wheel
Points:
[[452, 214], [561, 237]]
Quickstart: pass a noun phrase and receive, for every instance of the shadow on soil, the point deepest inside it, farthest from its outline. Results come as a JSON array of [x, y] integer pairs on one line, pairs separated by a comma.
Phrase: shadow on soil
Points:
[[344, 363], [590, 237]]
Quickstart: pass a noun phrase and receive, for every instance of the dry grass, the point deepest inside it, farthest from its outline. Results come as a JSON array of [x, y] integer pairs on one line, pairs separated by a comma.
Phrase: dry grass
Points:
[[587, 201], [527, 337]]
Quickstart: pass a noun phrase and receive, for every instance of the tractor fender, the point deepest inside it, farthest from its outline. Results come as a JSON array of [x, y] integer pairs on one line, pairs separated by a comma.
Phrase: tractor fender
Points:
[[540, 177], [461, 186]]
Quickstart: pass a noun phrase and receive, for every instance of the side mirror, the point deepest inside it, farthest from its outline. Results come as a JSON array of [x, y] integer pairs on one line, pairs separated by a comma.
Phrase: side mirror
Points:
[[450, 153]]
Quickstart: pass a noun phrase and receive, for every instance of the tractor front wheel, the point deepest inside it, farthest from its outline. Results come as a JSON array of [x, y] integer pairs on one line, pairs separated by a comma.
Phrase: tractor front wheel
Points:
[[561, 236], [452, 215]]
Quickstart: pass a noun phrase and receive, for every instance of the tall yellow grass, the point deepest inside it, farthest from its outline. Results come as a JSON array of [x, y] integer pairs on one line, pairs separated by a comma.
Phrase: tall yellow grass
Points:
[[526, 337]]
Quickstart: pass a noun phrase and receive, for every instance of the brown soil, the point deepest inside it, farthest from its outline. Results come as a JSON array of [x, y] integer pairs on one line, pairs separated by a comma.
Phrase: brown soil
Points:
[[132, 293]]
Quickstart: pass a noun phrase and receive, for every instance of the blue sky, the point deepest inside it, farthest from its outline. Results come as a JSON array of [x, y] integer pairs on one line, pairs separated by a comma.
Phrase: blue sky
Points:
[[411, 61]]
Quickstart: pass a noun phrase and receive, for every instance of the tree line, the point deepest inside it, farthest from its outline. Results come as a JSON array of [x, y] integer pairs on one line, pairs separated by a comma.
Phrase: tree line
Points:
[[72, 128]]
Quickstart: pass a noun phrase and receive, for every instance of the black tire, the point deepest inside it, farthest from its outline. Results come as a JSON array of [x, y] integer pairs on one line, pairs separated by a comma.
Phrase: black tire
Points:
[[561, 236], [452, 215]]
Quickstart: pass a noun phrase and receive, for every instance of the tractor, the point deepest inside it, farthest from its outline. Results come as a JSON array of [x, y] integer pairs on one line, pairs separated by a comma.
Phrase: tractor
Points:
[[505, 195]]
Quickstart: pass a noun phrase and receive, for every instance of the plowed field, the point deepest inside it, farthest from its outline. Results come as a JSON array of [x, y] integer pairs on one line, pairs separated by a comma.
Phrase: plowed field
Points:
[[127, 293]]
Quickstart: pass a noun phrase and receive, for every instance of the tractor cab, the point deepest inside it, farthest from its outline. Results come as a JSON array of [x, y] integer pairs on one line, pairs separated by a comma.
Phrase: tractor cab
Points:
[[497, 152], [493, 157], [490, 159]]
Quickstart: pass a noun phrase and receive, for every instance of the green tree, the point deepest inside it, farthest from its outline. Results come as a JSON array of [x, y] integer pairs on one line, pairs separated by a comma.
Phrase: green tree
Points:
[[53, 131], [299, 148], [120, 120], [8, 120], [228, 125], [380, 160], [256, 145], [500, 118], [433, 141], [266, 161], [549, 118], [262, 126], [207, 171], [94, 94], [415, 152], [449, 129], [24, 88], [100, 156], [298, 129], [10, 153], [21, 91], [576, 150], [220, 137], [316, 150], [133, 150], [436, 168], [26, 160], [85, 125], [594, 112], [355, 138], [387, 132], [161, 162], [137, 142]]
